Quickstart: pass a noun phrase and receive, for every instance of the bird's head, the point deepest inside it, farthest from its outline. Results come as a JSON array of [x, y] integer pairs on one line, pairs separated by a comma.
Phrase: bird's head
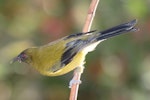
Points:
[[24, 56]]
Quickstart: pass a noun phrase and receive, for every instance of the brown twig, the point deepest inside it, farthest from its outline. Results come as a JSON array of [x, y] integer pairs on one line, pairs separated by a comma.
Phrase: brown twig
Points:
[[87, 26]]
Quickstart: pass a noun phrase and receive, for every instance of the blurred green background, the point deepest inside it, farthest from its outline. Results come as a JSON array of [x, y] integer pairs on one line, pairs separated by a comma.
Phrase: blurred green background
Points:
[[119, 69]]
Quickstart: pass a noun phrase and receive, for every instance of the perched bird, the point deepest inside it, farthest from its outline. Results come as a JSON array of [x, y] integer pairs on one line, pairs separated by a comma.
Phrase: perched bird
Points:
[[65, 54]]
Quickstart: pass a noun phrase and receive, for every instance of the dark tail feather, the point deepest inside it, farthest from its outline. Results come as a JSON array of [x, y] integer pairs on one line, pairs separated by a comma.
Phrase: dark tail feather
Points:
[[123, 28]]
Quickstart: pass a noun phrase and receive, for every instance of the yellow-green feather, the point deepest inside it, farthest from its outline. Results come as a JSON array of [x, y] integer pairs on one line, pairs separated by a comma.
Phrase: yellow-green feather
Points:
[[45, 57]]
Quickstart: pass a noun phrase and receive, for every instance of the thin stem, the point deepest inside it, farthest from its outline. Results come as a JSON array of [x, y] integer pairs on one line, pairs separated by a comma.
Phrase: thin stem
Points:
[[90, 16], [87, 27]]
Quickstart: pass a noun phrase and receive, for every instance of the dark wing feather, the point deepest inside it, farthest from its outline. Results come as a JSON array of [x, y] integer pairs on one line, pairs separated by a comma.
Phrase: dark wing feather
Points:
[[71, 50], [67, 56]]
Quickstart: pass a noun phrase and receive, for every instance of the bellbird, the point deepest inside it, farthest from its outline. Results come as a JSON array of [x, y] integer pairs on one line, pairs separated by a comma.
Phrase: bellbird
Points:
[[65, 54]]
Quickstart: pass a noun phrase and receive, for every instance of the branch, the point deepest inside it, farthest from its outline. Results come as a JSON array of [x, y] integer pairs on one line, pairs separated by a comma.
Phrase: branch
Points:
[[87, 27]]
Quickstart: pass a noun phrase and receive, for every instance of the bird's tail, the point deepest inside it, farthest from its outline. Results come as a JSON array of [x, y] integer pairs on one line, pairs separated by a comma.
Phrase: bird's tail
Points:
[[123, 28]]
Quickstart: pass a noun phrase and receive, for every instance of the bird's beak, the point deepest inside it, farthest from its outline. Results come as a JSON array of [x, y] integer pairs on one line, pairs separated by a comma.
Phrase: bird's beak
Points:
[[16, 59]]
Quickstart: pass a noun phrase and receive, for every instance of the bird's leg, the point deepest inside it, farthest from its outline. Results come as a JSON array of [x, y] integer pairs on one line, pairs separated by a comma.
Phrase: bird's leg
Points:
[[76, 80]]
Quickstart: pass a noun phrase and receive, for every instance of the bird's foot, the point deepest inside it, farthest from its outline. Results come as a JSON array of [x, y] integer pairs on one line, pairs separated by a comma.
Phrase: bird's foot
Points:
[[74, 82], [76, 79]]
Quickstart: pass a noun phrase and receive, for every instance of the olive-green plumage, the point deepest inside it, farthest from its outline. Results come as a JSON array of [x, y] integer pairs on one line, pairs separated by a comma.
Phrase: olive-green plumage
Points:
[[64, 55]]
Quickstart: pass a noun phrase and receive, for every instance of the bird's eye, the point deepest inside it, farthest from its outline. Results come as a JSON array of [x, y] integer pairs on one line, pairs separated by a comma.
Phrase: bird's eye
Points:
[[23, 56]]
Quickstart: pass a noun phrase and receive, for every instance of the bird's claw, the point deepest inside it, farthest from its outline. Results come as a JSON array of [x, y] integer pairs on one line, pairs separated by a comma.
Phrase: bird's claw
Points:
[[74, 82]]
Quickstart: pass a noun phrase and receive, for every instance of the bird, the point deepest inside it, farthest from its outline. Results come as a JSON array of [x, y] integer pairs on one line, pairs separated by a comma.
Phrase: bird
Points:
[[67, 53]]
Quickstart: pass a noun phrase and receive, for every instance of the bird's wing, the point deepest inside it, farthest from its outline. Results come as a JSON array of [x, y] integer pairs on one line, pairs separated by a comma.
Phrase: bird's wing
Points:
[[71, 49]]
